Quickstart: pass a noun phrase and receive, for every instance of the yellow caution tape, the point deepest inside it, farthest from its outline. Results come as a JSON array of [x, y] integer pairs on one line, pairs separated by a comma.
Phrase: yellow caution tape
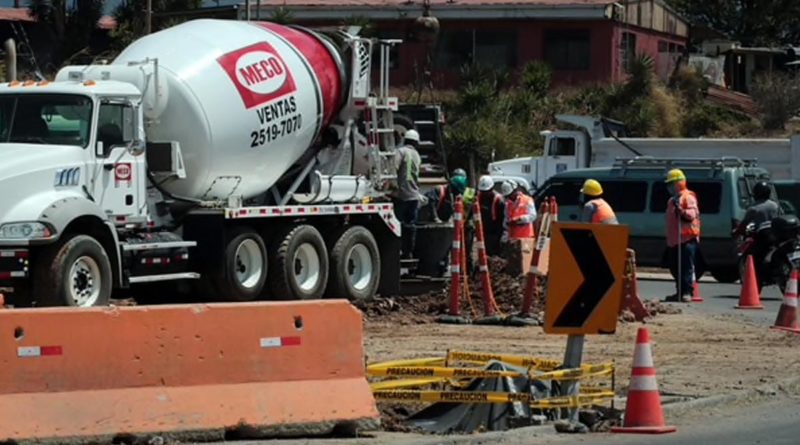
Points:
[[437, 371], [585, 371], [451, 396], [516, 360], [430, 361], [405, 383], [490, 397]]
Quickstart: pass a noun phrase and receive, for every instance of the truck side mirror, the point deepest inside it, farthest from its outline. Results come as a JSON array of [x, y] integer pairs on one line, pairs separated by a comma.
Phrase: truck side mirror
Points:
[[136, 147]]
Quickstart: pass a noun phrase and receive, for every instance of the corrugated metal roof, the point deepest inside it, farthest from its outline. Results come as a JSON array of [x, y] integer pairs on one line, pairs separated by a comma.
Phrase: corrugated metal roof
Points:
[[435, 3], [16, 15]]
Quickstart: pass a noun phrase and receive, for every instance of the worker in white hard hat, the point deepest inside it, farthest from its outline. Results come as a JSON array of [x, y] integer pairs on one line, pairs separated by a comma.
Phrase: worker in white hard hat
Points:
[[406, 196], [520, 213], [492, 207]]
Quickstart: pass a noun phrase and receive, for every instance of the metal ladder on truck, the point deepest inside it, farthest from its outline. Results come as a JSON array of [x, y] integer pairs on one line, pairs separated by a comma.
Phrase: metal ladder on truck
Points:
[[428, 120]]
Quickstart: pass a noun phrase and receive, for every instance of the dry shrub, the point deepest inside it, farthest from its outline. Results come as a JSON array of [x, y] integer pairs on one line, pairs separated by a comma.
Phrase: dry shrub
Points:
[[668, 109]]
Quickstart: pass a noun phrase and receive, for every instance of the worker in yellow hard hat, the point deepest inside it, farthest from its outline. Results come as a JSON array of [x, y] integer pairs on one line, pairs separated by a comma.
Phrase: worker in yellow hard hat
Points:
[[683, 234], [595, 209]]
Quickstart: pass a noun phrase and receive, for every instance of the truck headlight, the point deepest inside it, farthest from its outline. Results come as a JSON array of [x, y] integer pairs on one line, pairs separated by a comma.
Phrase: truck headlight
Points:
[[25, 231]]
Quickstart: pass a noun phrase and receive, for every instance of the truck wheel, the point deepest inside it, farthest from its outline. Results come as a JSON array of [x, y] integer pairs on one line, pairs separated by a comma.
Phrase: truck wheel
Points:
[[355, 265], [402, 123], [299, 265], [75, 271], [244, 271]]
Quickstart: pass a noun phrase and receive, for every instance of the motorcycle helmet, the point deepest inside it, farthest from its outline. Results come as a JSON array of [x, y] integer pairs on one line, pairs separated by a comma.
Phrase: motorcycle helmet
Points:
[[762, 191]]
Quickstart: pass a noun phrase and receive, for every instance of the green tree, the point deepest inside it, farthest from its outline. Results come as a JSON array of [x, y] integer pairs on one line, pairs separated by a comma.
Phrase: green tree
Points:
[[131, 18], [752, 22], [69, 26]]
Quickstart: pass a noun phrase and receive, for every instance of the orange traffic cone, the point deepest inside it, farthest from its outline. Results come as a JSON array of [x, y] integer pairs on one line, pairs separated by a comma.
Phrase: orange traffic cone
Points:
[[643, 413], [749, 298], [787, 315], [696, 298]]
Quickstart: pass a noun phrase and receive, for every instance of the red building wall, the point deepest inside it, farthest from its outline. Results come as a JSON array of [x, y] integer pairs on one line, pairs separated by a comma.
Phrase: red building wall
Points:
[[605, 53]]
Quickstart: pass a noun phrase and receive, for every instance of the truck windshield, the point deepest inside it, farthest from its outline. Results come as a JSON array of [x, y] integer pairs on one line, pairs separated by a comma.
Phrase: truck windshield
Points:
[[51, 119]]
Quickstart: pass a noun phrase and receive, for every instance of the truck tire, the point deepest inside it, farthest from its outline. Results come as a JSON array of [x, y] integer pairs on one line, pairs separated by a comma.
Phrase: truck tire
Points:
[[299, 264], [355, 265], [244, 269], [402, 123], [76, 271]]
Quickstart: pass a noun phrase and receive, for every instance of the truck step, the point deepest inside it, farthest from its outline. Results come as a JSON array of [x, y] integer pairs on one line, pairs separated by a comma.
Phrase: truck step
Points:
[[164, 277], [158, 245]]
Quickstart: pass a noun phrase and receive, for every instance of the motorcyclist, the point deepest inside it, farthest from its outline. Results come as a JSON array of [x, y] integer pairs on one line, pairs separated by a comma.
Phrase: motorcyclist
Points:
[[760, 215]]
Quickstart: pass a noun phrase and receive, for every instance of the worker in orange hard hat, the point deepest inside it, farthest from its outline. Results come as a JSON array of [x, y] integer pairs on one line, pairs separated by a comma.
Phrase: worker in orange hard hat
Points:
[[595, 209], [683, 234]]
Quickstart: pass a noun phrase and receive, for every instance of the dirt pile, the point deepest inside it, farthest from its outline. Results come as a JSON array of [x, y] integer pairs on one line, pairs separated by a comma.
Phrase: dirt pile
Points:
[[507, 289]]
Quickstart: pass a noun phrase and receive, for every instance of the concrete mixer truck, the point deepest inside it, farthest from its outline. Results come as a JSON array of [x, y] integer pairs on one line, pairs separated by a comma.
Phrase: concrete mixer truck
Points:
[[250, 159]]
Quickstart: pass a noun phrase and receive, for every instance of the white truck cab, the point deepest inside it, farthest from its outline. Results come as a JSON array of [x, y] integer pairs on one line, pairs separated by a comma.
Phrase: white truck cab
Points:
[[72, 164]]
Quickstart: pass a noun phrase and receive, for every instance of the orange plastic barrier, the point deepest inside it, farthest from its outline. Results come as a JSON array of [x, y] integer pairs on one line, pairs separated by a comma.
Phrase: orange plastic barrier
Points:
[[74, 375]]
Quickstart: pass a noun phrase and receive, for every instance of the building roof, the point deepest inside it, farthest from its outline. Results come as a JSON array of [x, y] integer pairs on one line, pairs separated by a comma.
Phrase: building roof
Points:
[[16, 15], [444, 9]]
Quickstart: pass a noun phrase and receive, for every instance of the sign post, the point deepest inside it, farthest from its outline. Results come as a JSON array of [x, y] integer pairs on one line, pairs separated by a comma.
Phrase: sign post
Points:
[[584, 290]]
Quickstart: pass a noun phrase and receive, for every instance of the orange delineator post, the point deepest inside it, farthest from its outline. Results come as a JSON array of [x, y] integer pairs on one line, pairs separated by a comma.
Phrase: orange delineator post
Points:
[[483, 264], [489, 303], [457, 268], [86, 375], [531, 279], [455, 260]]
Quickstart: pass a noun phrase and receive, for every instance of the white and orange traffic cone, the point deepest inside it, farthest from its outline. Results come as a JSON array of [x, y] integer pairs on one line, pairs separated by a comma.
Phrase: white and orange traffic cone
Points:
[[643, 413], [787, 315]]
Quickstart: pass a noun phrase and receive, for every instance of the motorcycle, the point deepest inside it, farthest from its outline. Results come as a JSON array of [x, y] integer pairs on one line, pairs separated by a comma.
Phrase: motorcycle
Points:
[[782, 238]]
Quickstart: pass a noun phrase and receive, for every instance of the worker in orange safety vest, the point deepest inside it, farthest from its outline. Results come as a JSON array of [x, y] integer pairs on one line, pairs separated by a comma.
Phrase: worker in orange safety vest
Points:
[[596, 210], [683, 232], [520, 213]]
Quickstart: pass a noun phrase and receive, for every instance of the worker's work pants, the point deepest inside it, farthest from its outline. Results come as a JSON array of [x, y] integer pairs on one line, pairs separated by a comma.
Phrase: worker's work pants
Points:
[[689, 253], [406, 212]]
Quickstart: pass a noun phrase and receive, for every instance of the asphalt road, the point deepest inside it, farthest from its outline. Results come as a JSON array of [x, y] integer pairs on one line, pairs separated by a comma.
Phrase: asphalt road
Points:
[[718, 299], [774, 423]]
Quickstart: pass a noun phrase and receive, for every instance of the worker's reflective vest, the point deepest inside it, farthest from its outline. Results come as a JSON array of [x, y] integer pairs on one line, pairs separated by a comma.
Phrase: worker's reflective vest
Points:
[[603, 213], [467, 198], [516, 210], [689, 229]]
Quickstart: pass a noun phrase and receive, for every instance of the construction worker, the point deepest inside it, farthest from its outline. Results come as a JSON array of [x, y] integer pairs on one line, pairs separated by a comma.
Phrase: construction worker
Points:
[[760, 215], [441, 200], [683, 234], [492, 207], [406, 197], [596, 210], [520, 213]]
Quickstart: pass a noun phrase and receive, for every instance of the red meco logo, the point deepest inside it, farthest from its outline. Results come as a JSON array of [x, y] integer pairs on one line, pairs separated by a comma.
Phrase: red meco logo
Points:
[[258, 73]]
